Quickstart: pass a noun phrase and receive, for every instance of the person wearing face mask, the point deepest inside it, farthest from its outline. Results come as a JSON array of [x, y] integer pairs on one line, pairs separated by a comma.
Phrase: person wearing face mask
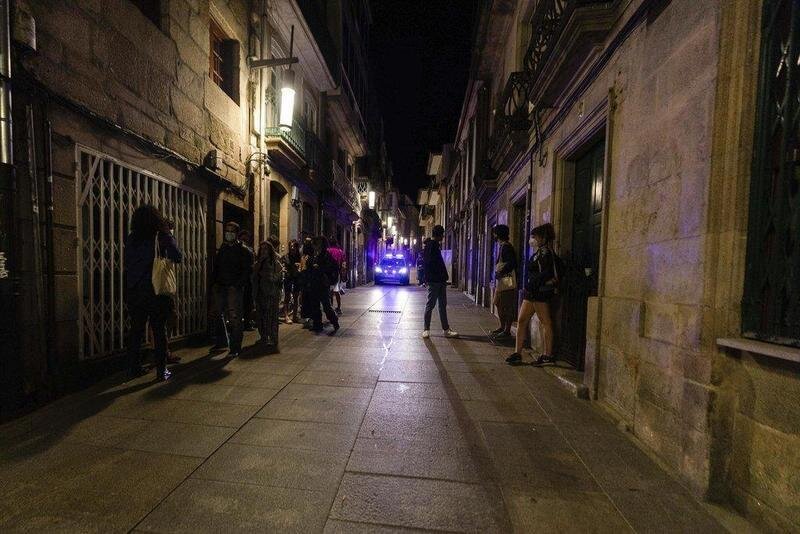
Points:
[[436, 277], [232, 269], [540, 287]]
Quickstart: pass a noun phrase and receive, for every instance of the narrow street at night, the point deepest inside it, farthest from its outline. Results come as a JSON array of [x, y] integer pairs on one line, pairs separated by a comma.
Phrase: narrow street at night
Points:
[[372, 428]]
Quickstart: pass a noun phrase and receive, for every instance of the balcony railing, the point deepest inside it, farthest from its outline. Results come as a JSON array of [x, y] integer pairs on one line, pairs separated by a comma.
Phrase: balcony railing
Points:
[[344, 187], [295, 137]]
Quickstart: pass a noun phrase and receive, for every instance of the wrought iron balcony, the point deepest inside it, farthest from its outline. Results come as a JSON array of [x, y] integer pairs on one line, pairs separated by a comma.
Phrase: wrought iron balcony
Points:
[[344, 187], [291, 142]]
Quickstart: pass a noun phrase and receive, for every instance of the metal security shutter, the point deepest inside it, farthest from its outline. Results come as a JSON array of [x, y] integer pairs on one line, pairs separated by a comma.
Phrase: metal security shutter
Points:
[[108, 193]]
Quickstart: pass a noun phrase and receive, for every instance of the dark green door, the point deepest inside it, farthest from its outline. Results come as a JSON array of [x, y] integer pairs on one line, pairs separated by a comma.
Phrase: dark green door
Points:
[[579, 281]]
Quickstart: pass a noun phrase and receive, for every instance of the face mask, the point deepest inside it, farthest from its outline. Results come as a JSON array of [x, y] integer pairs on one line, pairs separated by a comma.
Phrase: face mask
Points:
[[230, 237]]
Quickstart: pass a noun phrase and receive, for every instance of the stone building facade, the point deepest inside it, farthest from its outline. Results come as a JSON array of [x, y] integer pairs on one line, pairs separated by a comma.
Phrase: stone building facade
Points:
[[637, 128], [124, 102]]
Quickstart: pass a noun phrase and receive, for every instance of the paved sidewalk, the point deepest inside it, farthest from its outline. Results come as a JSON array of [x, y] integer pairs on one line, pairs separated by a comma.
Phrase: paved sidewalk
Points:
[[372, 429]]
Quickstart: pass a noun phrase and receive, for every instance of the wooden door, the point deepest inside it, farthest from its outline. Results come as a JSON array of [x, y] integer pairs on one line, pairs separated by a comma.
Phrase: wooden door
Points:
[[579, 281]]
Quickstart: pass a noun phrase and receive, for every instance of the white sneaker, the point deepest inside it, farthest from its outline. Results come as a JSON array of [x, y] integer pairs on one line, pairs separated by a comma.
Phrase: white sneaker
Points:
[[450, 333], [426, 334]]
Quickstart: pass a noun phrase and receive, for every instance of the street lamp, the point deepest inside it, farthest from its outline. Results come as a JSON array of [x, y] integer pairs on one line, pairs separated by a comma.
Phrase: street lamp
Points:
[[371, 200], [287, 100], [389, 221], [287, 82]]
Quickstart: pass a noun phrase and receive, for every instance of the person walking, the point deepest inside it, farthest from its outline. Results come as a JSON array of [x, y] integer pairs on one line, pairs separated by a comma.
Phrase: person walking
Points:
[[233, 266], [540, 288], [323, 270], [505, 282], [267, 282], [291, 282], [338, 257], [306, 261], [146, 239], [436, 277]]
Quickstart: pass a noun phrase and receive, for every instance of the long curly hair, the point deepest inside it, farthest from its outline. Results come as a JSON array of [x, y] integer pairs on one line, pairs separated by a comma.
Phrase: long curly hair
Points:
[[146, 222]]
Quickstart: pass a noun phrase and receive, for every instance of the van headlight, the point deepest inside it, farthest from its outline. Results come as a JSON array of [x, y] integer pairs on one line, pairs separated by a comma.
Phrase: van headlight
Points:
[[403, 270]]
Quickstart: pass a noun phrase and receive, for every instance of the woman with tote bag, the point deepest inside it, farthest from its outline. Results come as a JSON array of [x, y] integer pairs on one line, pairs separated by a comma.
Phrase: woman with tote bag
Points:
[[505, 283], [149, 256]]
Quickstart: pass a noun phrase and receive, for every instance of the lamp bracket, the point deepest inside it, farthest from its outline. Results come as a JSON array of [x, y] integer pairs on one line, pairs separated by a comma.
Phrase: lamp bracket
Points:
[[270, 63]]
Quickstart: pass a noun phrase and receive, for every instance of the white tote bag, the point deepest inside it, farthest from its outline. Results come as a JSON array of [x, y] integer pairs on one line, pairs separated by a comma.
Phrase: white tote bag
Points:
[[164, 279], [507, 282]]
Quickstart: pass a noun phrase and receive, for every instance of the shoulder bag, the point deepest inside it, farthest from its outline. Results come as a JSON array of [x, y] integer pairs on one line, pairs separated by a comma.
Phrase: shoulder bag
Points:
[[164, 280]]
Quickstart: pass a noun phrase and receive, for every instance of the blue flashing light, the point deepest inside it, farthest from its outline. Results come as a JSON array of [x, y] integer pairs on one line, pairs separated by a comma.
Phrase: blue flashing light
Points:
[[403, 270], [378, 269], [399, 256]]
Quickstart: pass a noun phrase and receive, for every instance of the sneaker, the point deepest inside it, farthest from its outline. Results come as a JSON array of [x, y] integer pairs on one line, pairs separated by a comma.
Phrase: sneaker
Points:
[[426, 334], [496, 332], [450, 333], [335, 329], [544, 358], [164, 375], [514, 358], [338, 311]]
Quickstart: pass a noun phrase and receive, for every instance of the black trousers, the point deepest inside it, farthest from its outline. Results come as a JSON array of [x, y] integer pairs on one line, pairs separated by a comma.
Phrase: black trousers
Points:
[[143, 307], [317, 298], [437, 293]]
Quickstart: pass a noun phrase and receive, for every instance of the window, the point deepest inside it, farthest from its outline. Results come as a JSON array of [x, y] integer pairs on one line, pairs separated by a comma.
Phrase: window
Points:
[[223, 61], [150, 9], [771, 303]]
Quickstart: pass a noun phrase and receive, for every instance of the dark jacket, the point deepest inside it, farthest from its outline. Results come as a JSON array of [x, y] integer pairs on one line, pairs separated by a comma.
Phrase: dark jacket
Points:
[[541, 270], [290, 261], [233, 265], [509, 260], [433, 263], [324, 271], [267, 278], [140, 253]]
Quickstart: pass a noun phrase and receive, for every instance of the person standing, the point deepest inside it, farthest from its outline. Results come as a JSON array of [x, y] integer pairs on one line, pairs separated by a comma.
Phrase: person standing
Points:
[[246, 239], [267, 282], [436, 277], [341, 265], [505, 282], [540, 288], [323, 270], [233, 267], [306, 261], [291, 285], [147, 238]]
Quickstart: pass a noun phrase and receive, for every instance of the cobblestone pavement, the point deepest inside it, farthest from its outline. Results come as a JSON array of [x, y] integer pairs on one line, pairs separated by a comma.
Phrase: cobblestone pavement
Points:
[[372, 430]]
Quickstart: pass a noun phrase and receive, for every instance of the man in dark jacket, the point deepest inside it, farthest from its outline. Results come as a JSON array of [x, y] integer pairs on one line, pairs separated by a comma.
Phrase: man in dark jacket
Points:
[[233, 266], [436, 278]]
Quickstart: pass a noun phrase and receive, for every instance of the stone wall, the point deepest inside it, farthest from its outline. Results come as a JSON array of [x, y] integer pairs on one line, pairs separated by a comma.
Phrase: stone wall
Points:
[[647, 363], [755, 458], [107, 56], [111, 75]]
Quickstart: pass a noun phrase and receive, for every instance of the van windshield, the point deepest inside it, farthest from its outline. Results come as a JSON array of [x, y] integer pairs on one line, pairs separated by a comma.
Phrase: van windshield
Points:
[[393, 262]]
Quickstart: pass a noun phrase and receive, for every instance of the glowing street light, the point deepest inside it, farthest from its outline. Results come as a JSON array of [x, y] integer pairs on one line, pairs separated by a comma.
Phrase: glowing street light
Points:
[[389, 221], [371, 200], [287, 101]]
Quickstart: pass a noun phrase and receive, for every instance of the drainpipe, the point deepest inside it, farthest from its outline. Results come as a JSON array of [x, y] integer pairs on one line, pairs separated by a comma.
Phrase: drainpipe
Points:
[[50, 293], [265, 39], [8, 260]]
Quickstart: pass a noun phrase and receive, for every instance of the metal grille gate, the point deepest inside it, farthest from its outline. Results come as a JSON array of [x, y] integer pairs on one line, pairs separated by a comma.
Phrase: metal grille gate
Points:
[[108, 193]]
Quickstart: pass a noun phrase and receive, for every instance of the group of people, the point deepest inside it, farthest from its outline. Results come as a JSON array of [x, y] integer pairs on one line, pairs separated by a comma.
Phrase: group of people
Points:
[[304, 281], [540, 287]]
